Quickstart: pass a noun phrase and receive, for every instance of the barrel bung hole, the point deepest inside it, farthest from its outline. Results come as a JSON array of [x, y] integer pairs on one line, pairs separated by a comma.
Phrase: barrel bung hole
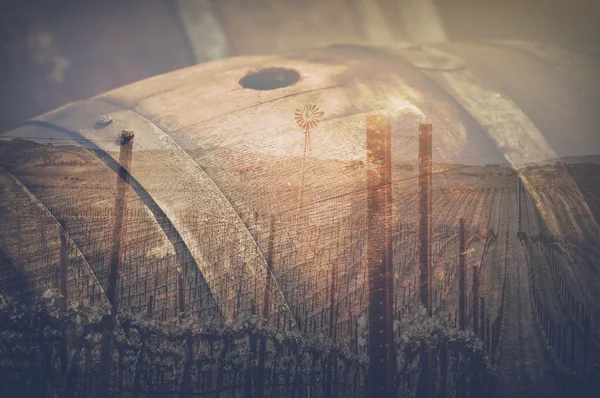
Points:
[[270, 79]]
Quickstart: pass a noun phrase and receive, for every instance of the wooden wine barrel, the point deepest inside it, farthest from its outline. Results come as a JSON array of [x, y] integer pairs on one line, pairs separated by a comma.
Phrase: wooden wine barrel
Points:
[[225, 197], [59, 52]]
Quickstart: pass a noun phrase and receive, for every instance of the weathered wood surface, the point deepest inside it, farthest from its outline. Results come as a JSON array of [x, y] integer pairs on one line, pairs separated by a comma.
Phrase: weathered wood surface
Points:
[[208, 146], [215, 163], [58, 52], [204, 107]]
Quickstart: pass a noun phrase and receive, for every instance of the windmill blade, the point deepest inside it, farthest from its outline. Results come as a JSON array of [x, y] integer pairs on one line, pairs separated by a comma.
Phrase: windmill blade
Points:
[[307, 118]]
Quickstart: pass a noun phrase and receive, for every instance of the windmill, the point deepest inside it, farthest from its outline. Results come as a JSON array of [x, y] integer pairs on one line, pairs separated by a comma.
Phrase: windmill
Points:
[[307, 118]]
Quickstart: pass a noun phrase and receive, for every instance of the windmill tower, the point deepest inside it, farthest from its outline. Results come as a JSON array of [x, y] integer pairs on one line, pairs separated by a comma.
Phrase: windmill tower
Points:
[[307, 118]]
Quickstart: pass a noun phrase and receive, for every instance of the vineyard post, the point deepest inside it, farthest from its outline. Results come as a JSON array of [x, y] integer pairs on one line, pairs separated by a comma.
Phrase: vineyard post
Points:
[[487, 333], [425, 215], [389, 264], [586, 334], [443, 369], [572, 345], [251, 356], [380, 277], [120, 207], [461, 274], [559, 342], [118, 229], [519, 194], [564, 344], [493, 341], [475, 301], [461, 386], [262, 353], [483, 329], [149, 307], [189, 341], [19, 239], [331, 328], [424, 247], [64, 258], [180, 291]]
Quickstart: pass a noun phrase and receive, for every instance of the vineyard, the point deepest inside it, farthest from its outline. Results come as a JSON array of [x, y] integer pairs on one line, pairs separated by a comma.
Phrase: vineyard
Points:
[[197, 315]]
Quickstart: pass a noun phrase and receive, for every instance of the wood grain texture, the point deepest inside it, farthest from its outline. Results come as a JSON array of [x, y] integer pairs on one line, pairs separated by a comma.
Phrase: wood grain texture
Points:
[[211, 152]]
